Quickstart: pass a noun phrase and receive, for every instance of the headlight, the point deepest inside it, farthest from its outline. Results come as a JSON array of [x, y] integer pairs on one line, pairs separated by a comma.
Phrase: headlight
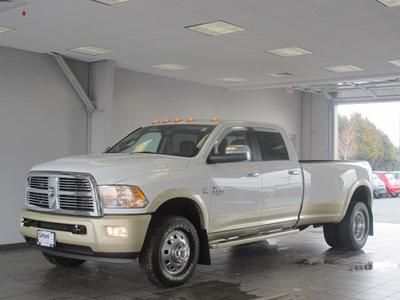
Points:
[[122, 196]]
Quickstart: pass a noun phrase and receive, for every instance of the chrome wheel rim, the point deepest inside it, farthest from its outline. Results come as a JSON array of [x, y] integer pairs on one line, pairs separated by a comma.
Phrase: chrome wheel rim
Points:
[[359, 226], [175, 252]]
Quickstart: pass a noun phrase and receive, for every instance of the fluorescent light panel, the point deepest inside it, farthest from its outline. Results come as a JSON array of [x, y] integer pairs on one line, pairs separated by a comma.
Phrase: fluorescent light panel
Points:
[[390, 3], [91, 50], [343, 69], [395, 62], [111, 2], [171, 67], [293, 51], [281, 74], [4, 29], [215, 28], [232, 79]]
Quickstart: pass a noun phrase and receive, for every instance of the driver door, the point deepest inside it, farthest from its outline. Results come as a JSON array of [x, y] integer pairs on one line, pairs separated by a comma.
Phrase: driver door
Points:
[[234, 187]]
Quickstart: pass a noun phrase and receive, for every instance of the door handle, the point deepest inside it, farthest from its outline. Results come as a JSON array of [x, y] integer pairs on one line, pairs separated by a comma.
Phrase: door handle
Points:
[[293, 172], [253, 174]]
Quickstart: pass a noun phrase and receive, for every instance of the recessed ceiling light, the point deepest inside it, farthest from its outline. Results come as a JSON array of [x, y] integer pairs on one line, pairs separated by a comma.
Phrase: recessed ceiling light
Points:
[[4, 29], [390, 3], [91, 50], [171, 67], [111, 2], [343, 69], [215, 28], [232, 79], [293, 51], [281, 74], [395, 62]]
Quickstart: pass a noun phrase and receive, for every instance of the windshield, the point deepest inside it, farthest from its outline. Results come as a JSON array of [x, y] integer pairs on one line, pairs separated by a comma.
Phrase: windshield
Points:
[[178, 140]]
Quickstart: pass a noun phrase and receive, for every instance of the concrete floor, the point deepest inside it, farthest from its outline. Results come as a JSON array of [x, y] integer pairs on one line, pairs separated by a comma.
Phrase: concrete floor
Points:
[[295, 267]]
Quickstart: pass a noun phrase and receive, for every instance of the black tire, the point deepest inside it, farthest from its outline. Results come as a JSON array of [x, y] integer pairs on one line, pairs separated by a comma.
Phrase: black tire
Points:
[[63, 261], [354, 229], [165, 257], [377, 196], [394, 195], [331, 235]]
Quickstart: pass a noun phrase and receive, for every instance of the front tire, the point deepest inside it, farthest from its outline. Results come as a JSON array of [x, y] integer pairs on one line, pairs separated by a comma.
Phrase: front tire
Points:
[[354, 229], [394, 195], [171, 251], [62, 261]]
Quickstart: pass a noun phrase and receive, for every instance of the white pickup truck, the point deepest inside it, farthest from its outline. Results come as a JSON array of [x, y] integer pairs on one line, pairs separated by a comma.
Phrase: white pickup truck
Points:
[[169, 192]]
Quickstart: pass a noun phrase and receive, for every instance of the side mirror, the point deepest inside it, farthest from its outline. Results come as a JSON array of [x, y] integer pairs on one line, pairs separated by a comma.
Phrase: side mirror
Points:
[[234, 153]]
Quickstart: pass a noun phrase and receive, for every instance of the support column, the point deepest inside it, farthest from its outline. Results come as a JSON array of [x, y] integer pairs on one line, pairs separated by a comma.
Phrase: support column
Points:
[[102, 92]]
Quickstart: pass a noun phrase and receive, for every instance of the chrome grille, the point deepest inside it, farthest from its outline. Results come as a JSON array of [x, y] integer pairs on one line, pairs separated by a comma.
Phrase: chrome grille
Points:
[[83, 203], [39, 182], [64, 193], [38, 199], [74, 185]]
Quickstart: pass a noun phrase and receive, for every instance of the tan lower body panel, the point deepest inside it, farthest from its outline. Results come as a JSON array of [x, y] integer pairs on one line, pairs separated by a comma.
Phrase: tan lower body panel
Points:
[[96, 236]]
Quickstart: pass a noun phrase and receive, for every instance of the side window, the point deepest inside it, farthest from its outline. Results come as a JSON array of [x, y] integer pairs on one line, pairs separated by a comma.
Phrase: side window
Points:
[[272, 145], [236, 137]]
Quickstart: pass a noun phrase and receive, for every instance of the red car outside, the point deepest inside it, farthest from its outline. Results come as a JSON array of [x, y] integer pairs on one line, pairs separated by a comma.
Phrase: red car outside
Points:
[[391, 183]]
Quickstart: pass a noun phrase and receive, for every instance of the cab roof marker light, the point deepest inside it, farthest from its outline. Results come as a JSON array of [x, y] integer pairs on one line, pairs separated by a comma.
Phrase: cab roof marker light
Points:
[[155, 122], [177, 120], [190, 119], [166, 120], [214, 119]]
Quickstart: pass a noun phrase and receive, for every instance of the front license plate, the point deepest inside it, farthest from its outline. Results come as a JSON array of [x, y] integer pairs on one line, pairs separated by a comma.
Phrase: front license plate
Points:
[[46, 239]]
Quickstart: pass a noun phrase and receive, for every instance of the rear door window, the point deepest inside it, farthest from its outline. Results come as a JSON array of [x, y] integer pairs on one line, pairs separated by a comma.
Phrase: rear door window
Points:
[[272, 145]]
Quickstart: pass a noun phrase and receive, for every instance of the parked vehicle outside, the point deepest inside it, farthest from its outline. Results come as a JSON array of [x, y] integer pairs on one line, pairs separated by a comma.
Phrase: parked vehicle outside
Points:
[[396, 175], [168, 193], [391, 183], [379, 187]]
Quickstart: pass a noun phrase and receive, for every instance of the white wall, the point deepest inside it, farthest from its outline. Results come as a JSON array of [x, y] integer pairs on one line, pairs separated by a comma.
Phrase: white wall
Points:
[[139, 98], [41, 119], [316, 127]]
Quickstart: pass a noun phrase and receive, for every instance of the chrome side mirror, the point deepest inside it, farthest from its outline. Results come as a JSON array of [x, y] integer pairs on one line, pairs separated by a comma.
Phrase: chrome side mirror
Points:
[[239, 150]]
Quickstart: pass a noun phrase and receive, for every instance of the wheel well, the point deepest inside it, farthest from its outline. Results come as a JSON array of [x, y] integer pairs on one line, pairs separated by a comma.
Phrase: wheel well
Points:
[[187, 208], [363, 194]]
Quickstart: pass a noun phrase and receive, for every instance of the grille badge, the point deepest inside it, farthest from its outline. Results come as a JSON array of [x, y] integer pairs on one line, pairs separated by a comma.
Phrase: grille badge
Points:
[[52, 191]]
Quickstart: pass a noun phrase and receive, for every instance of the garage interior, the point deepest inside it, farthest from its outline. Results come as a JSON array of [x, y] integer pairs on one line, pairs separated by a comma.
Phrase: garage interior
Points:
[[77, 76]]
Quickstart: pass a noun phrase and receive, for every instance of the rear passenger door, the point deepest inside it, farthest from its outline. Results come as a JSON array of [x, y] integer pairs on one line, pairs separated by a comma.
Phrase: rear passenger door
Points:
[[281, 177]]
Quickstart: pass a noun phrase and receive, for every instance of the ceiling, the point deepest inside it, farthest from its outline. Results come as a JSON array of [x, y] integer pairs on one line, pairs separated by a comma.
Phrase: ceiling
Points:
[[145, 33]]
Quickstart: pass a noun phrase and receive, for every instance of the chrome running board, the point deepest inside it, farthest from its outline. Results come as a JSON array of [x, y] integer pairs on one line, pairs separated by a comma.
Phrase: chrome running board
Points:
[[249, 239]]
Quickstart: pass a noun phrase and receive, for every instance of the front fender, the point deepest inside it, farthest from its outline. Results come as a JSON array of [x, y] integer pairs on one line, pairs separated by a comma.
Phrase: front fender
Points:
[[186, 194]]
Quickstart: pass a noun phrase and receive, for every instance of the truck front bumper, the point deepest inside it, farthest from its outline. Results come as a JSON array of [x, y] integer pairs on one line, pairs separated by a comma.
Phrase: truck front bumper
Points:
[[108, 237]]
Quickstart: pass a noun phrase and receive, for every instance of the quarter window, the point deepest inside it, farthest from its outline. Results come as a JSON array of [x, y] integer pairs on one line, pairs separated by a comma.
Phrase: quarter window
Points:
[[272, 145]]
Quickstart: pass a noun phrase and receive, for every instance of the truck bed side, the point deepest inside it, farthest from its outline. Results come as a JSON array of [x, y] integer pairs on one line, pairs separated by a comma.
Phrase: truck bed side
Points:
[[328, 188]]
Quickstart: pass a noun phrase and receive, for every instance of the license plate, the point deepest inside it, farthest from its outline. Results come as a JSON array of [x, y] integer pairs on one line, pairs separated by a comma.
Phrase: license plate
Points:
[[46, 239]]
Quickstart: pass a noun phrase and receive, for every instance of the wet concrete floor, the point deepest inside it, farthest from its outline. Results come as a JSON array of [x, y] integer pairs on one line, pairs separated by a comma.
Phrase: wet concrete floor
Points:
[[301, 266]]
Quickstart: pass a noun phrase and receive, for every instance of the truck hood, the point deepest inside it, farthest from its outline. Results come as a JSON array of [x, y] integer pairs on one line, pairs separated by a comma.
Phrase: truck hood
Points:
[[112, 168]]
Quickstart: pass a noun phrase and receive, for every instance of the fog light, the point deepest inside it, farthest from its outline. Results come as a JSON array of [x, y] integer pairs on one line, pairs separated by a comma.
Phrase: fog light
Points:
[[116, 231]]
